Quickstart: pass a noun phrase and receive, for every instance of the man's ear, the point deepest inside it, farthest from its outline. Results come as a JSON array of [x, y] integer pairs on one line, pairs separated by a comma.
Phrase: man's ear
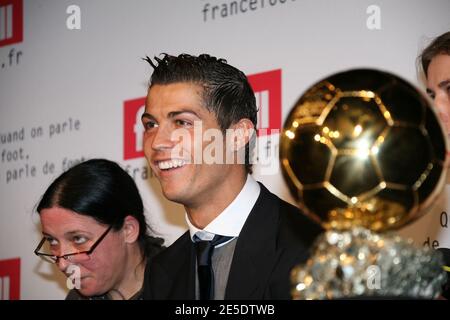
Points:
[[243, 131], [130, 229]]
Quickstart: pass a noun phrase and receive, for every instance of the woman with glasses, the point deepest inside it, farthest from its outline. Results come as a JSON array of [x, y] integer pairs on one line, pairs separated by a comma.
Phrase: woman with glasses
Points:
[[95, 231]]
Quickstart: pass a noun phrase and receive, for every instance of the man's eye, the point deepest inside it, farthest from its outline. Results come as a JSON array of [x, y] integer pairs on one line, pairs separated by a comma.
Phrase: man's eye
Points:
[[150, 125], [431, 95], [183, 123]]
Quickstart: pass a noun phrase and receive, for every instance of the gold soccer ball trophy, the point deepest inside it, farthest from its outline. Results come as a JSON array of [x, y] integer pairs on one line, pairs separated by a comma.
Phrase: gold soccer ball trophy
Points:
[[363, 153]]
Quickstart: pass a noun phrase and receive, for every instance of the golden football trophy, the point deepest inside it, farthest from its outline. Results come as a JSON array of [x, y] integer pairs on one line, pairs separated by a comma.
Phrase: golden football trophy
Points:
[[363, 153]]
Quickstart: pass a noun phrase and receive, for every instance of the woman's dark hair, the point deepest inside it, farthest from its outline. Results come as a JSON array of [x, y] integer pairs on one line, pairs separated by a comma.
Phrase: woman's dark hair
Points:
[[101, 189]]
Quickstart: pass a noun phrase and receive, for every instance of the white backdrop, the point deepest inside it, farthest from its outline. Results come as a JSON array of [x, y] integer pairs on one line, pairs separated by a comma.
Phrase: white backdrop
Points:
[[73, 87]]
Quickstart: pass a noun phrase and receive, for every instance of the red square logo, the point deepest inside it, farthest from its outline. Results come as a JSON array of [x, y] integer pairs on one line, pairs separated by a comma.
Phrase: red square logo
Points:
[[10, 279], [267, 88], [11, 22], [133, 130]]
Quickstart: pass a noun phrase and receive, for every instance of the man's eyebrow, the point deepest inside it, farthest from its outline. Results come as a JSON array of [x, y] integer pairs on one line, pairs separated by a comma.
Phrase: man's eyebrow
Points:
[[443, 83], [147, 115], [176, 113], [171, 114]]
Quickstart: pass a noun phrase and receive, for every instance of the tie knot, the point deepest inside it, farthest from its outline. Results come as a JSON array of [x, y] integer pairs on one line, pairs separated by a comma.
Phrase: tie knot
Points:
[[205, 248]]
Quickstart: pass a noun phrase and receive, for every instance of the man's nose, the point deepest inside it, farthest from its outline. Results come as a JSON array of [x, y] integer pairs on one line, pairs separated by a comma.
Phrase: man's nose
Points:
[[163, 139]]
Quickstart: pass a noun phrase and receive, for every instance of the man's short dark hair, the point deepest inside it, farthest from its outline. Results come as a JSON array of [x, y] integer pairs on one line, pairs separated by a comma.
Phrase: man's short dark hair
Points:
[[440, 45], [226, 90]]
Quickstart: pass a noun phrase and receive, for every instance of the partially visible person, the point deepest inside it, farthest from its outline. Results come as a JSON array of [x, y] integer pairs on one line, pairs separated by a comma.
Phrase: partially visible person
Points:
[[93, 221], [435, 61], [446, 287]]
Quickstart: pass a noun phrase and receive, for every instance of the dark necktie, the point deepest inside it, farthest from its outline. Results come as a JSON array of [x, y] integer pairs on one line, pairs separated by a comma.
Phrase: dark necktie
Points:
[[204, 251]]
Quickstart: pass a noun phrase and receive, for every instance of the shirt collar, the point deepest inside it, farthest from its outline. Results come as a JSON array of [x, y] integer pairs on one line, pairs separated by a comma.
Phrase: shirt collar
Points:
[[231, 220]]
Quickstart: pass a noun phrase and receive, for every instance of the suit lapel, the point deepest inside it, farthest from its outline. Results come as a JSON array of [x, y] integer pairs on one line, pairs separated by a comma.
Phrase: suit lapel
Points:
[[182, 286], [256, 253]]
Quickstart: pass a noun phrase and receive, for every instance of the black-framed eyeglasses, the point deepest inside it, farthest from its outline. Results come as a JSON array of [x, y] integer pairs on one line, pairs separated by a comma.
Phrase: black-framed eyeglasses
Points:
[[76, 256]]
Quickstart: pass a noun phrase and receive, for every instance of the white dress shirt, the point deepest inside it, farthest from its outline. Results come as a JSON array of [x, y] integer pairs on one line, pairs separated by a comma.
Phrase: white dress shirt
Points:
[[231, 220]]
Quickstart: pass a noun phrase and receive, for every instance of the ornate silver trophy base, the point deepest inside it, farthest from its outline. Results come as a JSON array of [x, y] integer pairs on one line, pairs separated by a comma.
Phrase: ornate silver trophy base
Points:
[[362, 263]]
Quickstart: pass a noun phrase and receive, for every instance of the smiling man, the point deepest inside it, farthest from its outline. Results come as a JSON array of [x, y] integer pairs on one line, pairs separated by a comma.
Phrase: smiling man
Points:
[[242, 240]]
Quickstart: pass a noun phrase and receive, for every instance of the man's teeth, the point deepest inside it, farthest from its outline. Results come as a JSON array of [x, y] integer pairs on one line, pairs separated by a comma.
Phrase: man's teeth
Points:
[[170, 164]]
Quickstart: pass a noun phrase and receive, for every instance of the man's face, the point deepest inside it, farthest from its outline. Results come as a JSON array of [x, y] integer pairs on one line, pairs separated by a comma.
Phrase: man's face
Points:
[[438, 86], [172, 110]]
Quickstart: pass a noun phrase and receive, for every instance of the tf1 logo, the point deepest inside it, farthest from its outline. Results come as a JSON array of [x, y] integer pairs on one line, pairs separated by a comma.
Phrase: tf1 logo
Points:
[[10, 279], [267, 88], [11, 22]]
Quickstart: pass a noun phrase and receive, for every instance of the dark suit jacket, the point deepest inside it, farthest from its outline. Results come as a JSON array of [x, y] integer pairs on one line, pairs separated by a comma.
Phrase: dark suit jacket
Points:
[[276, 236]]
